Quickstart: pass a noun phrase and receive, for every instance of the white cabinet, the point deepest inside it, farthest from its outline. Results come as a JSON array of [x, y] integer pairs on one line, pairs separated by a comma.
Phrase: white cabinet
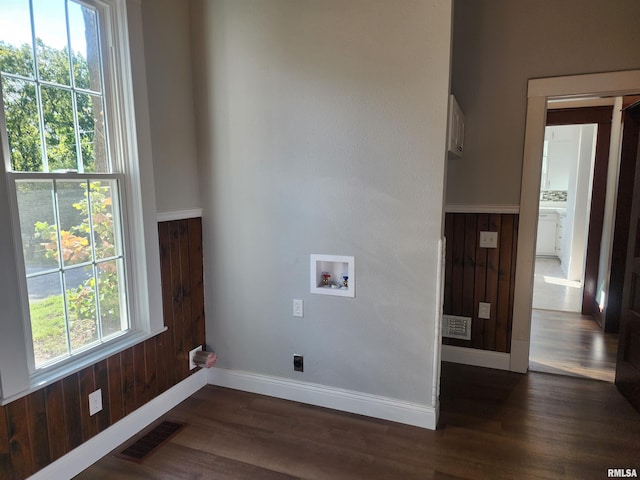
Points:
[[456, 128], [546, 242]]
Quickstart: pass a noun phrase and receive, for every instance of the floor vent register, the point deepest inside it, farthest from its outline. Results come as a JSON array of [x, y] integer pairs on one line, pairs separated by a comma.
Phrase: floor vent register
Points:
[[145, 445]]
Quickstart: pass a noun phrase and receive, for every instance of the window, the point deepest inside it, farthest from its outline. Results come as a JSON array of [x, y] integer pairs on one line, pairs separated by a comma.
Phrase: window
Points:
[[74, 180]]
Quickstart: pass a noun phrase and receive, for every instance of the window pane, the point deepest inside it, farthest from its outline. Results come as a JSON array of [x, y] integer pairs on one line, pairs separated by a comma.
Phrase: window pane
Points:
[[75, 229], [23, 126], [103, 226], [16, 55], [48, 328], [109, 296], [58, 127], [50, 24], [92, 133], [37, 225], [80, 287], [85, 46]]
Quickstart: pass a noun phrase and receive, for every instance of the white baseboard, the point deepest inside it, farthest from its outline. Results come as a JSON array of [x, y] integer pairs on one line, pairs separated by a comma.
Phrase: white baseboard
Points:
[[476, 357], [97, 447], [424, 416]]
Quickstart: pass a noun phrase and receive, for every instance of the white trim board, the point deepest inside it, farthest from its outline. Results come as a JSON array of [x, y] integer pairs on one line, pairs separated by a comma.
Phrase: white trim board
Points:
[[97, 447], [418, 415], [464, 208], [171, 215], [476, 357]]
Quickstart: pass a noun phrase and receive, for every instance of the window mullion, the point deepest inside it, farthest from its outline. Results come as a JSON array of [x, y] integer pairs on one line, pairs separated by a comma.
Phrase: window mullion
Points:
[[74, 100], [62, 277], [36, 73], [76, 128], [94, 259], [43, 142]]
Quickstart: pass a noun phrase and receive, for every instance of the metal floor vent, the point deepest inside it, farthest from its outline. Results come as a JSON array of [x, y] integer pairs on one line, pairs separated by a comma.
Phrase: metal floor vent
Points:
[[141, 448], [456, 327]]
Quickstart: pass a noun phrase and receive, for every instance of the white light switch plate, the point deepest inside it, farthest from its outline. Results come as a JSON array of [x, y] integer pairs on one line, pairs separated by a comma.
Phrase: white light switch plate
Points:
[[95, 402], [298, 308], [488, 239], [484, 310]]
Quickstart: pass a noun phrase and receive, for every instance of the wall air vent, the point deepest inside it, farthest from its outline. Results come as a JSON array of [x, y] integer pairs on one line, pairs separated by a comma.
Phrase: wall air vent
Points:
[[456, 327]]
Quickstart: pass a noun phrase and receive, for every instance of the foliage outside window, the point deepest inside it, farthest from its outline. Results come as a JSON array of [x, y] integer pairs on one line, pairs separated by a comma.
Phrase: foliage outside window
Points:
[[67, 193]]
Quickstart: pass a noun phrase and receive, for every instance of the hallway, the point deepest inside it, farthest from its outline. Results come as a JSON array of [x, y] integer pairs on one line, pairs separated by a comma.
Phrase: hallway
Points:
[[563, 341], [571, 344]]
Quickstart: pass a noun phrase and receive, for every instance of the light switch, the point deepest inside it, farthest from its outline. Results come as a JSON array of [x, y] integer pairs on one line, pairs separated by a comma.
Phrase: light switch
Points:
[[488, 239]]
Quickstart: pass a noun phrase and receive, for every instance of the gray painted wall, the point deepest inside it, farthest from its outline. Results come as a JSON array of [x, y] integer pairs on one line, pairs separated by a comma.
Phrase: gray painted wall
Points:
[[321, 129], [497, 46], [171, 109]]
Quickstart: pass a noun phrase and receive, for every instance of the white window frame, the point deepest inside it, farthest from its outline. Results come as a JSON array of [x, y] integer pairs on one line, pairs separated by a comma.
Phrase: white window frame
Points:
[[130, 145]]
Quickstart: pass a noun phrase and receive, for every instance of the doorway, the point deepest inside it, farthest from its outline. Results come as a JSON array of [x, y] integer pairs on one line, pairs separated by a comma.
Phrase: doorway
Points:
[[565, 337], [540, 91]]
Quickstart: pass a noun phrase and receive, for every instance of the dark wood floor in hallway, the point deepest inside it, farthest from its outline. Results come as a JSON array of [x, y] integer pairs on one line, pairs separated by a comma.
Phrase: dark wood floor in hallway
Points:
[[493, 425], [568, 343]]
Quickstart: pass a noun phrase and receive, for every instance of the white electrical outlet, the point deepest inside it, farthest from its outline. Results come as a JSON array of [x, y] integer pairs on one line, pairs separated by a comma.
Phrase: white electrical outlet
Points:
[[95, 402], [484, 310], [488, 239], [191, 354], [298, 308]]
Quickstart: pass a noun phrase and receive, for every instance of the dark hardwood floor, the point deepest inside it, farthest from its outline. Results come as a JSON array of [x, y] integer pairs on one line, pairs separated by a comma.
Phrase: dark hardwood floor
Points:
[[568, 343], [493, 425]]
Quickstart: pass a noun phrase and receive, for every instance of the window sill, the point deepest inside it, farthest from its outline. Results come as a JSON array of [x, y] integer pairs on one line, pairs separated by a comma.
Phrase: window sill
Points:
[[96, 355]]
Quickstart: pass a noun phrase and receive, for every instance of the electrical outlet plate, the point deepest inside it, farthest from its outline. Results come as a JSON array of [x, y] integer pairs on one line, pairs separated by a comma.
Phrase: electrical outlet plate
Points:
[[191, 354], [95, 402], [298, 308], [484, 310]]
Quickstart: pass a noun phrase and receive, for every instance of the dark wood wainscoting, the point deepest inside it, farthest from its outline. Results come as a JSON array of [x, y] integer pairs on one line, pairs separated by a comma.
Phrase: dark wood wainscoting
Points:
[[474, 274], [44, 425]]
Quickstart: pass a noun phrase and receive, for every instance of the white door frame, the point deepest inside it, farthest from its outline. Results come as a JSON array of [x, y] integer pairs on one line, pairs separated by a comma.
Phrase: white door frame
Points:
[[540, 90]]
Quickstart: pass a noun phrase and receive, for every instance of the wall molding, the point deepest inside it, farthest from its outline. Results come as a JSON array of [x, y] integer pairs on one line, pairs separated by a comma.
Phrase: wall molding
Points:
[[171, 215], [94, 449], [476, 357], [468, 208], [400, 411]]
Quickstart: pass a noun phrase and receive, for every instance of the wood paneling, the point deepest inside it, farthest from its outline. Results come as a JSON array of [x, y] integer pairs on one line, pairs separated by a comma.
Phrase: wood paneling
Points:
[[18, 426], [56, 429], [6, 470], [71, 411], [474, 274], [44, 425], [101, 377], [37, 424]]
